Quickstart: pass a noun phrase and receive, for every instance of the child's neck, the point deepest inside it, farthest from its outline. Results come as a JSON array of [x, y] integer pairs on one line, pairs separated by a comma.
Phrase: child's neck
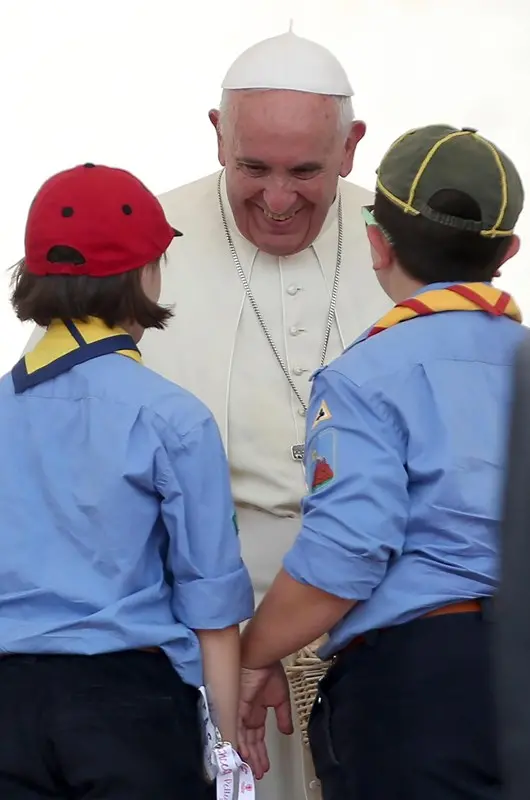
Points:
[[402, 288], [134, 330]]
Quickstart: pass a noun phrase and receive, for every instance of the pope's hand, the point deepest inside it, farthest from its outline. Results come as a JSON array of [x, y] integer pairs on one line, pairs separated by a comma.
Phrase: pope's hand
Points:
[[260, 690]]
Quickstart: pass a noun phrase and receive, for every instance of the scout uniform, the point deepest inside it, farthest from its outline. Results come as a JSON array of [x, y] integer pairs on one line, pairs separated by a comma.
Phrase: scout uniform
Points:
[[404, 458], [117, 538]]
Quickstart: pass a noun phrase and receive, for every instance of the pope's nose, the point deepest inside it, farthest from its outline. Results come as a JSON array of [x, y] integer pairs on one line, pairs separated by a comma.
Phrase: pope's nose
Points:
[[279, 200]]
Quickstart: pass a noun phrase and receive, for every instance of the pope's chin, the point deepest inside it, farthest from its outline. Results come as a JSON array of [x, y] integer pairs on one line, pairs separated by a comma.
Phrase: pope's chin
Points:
[[278, 237]]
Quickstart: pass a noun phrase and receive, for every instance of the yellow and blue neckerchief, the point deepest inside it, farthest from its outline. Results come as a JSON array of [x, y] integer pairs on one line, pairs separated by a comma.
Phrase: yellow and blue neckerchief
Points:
[[66, 344]]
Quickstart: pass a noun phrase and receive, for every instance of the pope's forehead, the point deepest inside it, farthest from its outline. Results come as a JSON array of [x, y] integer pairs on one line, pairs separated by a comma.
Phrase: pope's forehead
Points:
[[278, 111]]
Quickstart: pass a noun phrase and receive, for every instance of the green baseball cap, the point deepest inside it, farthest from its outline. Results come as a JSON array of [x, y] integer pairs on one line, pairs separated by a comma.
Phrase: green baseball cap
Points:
[[427, 160]]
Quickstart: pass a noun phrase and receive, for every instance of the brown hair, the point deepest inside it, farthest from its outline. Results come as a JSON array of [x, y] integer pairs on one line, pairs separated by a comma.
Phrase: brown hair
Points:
[[115, 300]]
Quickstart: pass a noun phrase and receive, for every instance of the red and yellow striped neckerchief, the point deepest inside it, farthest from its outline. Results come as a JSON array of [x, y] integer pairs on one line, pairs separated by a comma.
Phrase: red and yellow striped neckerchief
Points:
[[458, 297]]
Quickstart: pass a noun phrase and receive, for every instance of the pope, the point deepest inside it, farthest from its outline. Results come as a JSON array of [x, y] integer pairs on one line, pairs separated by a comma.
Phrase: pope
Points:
[[275, 280]]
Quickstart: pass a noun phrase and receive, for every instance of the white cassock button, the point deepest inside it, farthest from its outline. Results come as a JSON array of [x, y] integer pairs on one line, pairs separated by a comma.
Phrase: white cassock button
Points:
[[294, 331], [314, 784], [298, 370], [292, 290], [301, 412]]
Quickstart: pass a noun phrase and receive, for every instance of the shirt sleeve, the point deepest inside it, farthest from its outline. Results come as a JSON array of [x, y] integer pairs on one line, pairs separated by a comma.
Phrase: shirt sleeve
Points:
[[211, 585], [356, 509]]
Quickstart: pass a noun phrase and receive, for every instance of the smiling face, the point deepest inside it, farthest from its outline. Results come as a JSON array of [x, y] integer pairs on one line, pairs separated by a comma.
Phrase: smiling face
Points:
[[283, 152]]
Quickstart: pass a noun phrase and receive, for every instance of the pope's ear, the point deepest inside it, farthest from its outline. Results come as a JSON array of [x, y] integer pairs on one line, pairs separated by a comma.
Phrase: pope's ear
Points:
[[213, 116]]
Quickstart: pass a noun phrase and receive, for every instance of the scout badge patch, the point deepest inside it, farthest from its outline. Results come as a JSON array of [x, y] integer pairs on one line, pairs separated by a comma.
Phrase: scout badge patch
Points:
[[322, 414], [321, 467]]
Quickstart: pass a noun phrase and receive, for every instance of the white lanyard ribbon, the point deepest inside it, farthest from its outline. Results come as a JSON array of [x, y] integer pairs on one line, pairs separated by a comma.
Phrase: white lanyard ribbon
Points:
[[232, 773], [234, 779]]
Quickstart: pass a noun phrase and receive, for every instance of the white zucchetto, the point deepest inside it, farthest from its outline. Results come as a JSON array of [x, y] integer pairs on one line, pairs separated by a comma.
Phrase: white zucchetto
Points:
[[289, 62]]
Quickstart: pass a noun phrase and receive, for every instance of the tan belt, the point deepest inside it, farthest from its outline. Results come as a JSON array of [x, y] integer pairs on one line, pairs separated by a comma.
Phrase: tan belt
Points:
[[463, 607]]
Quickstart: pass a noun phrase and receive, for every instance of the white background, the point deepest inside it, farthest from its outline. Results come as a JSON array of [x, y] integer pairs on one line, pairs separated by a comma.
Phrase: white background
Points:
[[129, 83]]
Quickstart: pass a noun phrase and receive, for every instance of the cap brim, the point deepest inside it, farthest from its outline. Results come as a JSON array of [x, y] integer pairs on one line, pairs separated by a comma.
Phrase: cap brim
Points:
[[177, 233]]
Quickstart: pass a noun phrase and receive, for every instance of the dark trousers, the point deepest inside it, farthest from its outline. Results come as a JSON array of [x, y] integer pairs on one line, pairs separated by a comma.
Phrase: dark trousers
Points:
[[410, 715], [121, 726]]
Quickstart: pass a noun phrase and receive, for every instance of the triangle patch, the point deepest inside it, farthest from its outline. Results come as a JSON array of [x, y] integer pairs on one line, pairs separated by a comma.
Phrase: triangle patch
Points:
[[322, 415]]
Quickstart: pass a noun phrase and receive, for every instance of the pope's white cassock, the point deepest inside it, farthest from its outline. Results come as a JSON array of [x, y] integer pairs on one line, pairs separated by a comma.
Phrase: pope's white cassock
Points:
[[216, 347]]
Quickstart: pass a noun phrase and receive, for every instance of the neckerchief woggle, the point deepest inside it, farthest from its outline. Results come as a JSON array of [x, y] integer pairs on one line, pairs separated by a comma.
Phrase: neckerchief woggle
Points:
[[63, 346], [457, 297]]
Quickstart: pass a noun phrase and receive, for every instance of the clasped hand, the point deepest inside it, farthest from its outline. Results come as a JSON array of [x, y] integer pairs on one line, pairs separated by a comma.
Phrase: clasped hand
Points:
[[260, 690]]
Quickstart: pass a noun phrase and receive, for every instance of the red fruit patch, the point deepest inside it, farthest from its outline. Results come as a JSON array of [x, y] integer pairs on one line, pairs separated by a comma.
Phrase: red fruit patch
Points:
[[322, 474]]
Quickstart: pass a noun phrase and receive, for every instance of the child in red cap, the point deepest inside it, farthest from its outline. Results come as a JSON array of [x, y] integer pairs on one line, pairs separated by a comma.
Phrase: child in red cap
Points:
[[121, 579]]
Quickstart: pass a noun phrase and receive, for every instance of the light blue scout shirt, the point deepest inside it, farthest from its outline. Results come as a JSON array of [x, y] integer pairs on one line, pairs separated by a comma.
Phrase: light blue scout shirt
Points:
[[117, 523], [405, 448]]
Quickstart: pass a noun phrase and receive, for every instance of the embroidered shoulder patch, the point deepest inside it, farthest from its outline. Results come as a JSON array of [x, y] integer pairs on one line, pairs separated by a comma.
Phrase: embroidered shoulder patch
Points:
[[322, 414], [322, 465]]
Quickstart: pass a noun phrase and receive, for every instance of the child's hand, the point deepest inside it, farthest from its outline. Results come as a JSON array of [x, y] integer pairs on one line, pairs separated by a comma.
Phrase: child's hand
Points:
[[260, 690]]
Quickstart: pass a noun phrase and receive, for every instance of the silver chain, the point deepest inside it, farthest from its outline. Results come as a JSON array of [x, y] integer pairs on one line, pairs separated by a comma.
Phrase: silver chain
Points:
[[255, 307]]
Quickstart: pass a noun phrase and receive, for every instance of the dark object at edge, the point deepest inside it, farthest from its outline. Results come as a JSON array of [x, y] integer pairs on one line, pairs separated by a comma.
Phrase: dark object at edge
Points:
[[512, 633]]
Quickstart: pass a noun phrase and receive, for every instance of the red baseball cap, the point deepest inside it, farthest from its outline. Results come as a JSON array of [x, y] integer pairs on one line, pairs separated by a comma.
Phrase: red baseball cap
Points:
[[94, 220]]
